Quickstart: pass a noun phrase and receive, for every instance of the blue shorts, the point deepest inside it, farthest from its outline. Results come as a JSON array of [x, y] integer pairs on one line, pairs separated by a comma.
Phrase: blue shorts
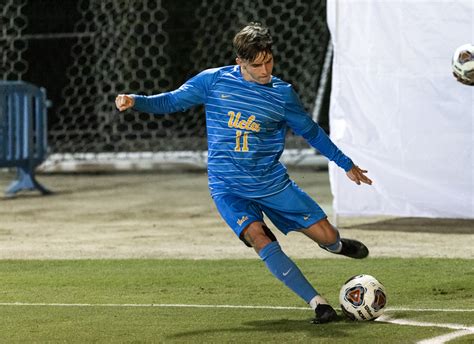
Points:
[[289, 210]]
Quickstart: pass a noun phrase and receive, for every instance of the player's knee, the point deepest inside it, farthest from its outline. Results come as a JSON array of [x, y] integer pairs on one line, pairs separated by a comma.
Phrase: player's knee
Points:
[[257, 235]]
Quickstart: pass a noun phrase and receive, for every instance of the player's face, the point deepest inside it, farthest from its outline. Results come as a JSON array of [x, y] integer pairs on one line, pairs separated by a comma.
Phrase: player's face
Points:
[[258, 70]]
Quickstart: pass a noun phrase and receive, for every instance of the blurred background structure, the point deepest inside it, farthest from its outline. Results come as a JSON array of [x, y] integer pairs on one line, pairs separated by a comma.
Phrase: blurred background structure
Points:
[[395, 108], [86, 52]]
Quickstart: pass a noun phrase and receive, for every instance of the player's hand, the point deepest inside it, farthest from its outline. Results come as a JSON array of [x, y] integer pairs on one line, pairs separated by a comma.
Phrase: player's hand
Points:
[[357, 175], [124, 102]]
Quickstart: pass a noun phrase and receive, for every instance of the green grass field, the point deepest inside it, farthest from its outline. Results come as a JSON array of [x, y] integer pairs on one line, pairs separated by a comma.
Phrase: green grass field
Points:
[[79, 301]]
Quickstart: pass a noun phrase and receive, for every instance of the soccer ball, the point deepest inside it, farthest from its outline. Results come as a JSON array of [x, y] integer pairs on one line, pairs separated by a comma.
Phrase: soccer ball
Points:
[[463, 64], [362, 297]]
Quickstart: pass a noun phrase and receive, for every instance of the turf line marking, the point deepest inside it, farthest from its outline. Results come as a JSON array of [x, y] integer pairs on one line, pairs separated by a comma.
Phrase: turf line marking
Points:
[[385, 318], [461, 330], [447, 310], [394, 309], [446, 338]]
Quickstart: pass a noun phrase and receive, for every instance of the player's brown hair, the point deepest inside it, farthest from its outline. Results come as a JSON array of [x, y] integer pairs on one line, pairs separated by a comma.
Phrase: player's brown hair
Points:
[[252, 40]]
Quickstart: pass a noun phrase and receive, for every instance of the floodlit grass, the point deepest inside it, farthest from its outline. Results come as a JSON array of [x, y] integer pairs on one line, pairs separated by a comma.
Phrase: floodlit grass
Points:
[[410, 283]]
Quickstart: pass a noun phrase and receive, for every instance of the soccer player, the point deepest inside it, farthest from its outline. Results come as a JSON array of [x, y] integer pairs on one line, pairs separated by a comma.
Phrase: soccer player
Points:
[[248, 112]]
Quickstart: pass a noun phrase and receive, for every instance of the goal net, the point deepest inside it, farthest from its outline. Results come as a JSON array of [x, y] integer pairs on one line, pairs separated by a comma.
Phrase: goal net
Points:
[[153, 46]]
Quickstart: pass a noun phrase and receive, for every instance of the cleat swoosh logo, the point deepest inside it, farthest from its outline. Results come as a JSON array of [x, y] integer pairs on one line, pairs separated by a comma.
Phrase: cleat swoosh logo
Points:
[[286, 273]]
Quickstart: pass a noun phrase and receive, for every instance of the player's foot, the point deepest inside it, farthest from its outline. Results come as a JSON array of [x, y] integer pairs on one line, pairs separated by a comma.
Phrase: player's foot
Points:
[[324, 314], [353, 249]]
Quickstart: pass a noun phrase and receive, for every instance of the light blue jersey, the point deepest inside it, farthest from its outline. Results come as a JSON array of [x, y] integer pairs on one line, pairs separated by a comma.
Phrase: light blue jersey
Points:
[[246, 128]]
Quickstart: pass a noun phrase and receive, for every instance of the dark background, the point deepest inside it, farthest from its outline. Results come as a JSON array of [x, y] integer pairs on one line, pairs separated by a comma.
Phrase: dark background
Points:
[[50, 36]]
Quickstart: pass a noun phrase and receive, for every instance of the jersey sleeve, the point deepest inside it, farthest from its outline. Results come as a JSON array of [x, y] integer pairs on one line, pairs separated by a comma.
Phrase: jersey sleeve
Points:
[[302, 124], [192, 92]]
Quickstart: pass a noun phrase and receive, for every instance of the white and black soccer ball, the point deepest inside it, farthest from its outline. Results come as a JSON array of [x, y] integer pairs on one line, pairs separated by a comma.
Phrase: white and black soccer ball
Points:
[[463, 64], [363, 297]]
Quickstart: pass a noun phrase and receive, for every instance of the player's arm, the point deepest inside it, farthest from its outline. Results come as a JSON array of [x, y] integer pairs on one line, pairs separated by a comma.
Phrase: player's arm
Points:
[[318, 138], [192, 92], [303, 125]]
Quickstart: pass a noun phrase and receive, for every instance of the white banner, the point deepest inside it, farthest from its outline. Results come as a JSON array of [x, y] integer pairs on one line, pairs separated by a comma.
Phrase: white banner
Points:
[[396, 109]]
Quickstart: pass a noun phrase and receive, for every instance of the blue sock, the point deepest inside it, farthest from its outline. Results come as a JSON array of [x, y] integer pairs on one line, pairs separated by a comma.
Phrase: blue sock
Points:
[[286, 271]]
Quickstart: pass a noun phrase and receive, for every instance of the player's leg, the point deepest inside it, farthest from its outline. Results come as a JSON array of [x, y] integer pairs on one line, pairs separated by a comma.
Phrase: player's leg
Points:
[[293, 210], [259, 236], [288, 212], [245, 217], [327, 236]]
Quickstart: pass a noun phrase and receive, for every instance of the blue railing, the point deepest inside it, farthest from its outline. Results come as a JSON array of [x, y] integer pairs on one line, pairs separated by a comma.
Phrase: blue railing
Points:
[[23, 133]]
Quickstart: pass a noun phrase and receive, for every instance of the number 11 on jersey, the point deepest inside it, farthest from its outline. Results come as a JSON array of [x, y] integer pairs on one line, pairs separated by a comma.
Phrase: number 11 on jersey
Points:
[[245, 141]]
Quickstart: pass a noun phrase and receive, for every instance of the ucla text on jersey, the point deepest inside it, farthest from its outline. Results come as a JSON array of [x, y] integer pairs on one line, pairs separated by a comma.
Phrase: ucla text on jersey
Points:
[[246, 128]]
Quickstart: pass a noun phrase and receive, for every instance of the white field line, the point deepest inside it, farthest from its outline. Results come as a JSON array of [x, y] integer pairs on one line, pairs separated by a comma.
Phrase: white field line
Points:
[[385, 318], [446, 337], [402, 309], [462, 330], [393, 309]]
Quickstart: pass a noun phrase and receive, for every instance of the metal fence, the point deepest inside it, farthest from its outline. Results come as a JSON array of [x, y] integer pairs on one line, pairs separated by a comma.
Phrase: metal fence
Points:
[[23, 132]]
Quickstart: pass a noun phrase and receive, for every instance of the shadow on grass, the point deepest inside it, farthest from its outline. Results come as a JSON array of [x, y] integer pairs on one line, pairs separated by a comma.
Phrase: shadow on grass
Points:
[[276, 327], [418, 225]]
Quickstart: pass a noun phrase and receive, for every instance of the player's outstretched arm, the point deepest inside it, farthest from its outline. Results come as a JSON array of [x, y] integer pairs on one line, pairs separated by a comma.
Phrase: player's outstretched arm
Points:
[[357, 175], [124, 102]]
